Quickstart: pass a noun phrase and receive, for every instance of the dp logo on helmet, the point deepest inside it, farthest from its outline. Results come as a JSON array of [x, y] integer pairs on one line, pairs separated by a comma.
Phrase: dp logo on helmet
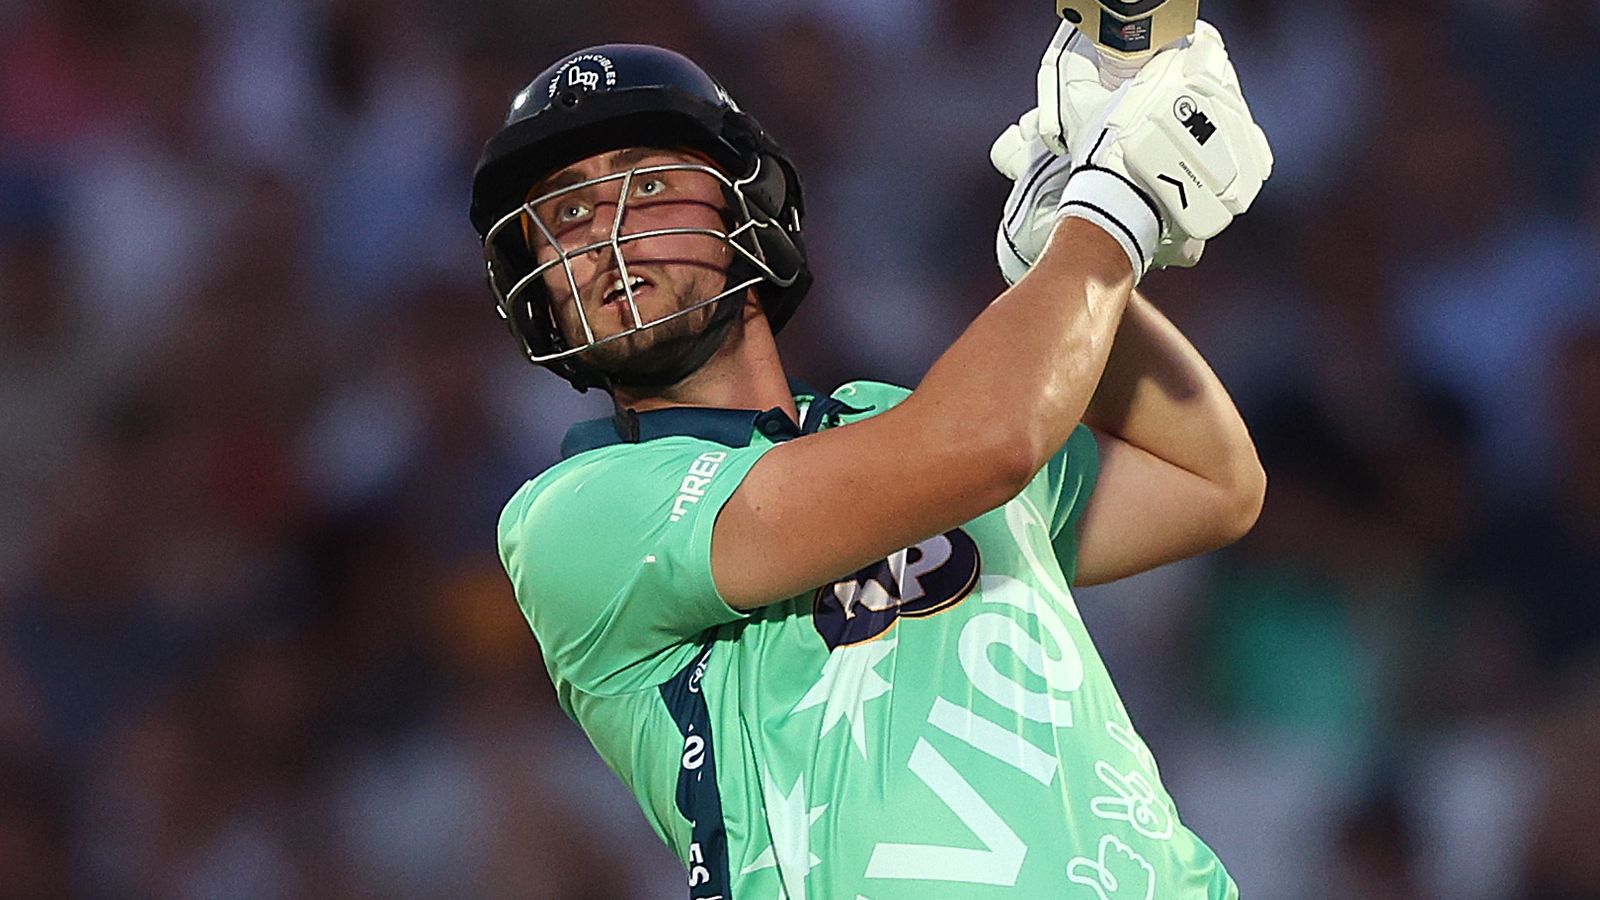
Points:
[[585, 72]]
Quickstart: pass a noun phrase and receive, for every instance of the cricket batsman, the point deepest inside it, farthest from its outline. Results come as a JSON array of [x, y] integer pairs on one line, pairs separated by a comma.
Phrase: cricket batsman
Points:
[[828, 639]]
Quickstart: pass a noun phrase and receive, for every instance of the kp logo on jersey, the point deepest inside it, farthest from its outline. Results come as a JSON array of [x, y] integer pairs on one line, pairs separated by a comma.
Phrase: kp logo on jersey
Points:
[[914, 583]]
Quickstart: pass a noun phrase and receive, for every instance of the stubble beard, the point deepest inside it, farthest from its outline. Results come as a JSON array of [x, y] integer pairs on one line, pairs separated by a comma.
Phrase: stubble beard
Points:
[[655, 348]]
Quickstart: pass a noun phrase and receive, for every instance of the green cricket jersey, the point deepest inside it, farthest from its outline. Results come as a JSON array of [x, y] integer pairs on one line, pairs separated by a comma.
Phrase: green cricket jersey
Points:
[[936, 725]]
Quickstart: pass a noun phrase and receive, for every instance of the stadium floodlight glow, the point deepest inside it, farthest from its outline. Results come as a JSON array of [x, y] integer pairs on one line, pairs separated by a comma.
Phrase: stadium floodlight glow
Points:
[[1134, 29]]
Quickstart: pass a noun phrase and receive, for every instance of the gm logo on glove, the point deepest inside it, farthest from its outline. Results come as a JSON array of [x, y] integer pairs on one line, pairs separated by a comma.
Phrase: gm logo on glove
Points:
[[1191, 117]]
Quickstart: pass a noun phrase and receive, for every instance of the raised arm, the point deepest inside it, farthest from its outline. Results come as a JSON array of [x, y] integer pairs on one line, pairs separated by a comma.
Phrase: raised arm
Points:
[[1009, 393], [1178, 472], [987, 417]]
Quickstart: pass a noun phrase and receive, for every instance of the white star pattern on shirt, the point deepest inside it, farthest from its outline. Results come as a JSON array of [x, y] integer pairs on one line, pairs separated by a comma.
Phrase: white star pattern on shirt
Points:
[[848, 682], [790, 823]]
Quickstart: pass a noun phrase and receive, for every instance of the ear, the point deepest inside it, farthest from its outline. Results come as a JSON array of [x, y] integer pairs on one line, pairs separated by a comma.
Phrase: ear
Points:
[[752, 306]]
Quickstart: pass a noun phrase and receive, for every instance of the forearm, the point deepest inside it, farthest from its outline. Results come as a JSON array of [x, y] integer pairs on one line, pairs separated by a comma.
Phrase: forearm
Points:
[[1160, 395], [1026, 368]]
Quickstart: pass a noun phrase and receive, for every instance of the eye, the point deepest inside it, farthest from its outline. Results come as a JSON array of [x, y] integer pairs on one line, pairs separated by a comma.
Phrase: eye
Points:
[[650, 187], [571, 211]]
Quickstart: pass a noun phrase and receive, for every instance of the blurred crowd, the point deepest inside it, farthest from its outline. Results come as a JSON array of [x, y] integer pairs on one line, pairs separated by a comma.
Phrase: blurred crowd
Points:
[[258, 418]]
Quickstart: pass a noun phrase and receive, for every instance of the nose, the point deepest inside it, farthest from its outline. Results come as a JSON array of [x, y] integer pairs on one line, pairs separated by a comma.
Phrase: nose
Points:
[[602, 222], [595, 234], [607, 202]]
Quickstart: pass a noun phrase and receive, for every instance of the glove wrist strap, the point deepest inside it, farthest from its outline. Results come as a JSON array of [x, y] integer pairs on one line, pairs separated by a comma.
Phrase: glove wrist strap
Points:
[[1119, 208]]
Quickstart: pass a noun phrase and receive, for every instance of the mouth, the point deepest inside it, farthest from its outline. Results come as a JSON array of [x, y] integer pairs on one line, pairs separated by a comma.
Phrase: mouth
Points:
[[617, 293]]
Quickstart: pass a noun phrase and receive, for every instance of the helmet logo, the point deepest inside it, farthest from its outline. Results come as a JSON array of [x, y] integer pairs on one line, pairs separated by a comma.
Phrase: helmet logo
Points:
[[585, 72]]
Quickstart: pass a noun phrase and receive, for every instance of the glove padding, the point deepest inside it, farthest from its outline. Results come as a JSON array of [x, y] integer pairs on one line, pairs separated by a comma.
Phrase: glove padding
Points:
[[1101, 191], [1033, 208], [1181, 129]]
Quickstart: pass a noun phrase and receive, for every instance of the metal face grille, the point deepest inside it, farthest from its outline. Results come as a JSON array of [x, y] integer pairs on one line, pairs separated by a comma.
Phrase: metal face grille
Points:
[[543, 227]]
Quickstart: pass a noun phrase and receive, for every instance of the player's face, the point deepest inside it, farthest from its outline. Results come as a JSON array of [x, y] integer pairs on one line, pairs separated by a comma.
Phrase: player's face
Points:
[[668, 273]]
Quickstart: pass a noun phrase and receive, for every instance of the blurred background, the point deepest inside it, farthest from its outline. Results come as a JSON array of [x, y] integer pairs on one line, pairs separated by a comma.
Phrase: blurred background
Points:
[[258, 418]]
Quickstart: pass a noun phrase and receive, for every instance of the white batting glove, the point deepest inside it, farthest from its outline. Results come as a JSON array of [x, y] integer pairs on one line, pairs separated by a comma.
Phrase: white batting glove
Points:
[[1039, 171], [1102, 191], [1033, 208], [1179, 134], [1072, 94]]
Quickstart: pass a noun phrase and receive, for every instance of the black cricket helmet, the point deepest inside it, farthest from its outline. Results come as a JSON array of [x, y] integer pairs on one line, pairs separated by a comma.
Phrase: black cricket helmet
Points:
[[620, 96]]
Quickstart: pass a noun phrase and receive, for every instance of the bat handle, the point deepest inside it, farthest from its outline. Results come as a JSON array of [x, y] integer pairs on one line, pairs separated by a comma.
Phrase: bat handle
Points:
[[1116, 71]]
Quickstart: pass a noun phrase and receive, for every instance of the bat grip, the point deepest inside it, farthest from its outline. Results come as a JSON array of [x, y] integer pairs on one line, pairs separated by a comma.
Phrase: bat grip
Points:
[[1116, 71]]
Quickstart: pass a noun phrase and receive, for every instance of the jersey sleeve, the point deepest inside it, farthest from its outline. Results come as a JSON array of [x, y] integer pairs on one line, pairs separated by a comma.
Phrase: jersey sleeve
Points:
[[610, 558], [1070, 479]]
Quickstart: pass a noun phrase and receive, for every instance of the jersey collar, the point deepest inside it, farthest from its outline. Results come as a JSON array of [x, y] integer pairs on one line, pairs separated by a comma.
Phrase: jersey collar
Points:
[[729, 427]]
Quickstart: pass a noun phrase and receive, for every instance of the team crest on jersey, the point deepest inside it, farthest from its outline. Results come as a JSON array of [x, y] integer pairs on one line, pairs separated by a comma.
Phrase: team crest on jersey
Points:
[[914, 583]]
